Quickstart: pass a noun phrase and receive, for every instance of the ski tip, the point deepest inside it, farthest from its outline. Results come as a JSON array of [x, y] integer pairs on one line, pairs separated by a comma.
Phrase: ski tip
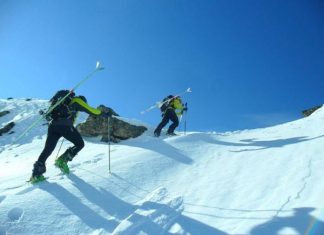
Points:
[[98, 67]]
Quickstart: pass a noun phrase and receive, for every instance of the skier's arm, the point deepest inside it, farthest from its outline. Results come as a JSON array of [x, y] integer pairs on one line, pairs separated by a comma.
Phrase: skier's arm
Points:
[[82, 106]]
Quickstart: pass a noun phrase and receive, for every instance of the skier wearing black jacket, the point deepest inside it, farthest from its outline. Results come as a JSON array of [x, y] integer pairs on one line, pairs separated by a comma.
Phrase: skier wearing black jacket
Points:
[[61, 125]]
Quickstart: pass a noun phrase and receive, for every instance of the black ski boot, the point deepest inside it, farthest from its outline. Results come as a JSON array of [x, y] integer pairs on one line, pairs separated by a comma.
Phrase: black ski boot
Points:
[[171, 134], [156, 133], [37, 175]]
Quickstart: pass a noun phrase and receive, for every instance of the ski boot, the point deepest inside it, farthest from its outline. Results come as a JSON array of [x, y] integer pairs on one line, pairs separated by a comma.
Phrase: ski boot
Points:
[[171, 134], [61, 161], [36, 179], [37, 175], [156, 134]]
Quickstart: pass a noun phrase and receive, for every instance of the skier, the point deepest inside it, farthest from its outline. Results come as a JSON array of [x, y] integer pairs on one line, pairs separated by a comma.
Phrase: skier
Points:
[[61, 125], [169, 106]]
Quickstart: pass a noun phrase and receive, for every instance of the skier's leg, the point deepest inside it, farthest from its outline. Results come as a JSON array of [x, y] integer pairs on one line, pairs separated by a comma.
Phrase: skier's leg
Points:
[[162, 124], [175, 121], [51, 141], [72, 135]]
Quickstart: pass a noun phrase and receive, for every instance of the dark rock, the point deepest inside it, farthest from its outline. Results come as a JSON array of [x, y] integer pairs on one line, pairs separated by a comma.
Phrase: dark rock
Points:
[[118, 129], [7, 128], [308, 112], [108, 110], [4, 113], [9, 98], [28, 99]]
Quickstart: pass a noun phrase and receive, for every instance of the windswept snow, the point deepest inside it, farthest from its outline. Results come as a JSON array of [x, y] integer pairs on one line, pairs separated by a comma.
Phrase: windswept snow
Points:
[[258, 182]]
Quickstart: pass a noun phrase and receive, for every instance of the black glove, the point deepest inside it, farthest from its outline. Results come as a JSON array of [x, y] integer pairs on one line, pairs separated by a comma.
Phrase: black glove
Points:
[[185, 109]]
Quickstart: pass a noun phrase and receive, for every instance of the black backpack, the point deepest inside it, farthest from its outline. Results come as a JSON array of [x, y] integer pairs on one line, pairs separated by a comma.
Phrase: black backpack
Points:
[[166, 102], [62, 110]]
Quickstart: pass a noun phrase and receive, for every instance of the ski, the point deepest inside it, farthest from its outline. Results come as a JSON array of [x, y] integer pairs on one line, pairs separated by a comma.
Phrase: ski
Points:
[[158, 104], [37, 180]]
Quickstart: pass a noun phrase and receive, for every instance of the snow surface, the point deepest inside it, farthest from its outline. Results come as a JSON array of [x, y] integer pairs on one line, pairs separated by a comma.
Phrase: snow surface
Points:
[[260, 182]]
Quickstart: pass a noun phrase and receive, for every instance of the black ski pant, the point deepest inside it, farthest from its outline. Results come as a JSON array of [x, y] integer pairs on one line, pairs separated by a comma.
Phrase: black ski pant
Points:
[[55, 132], [169, 114]]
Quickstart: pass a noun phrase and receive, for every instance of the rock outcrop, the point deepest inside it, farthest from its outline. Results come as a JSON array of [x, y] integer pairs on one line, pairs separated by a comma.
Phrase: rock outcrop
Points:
[[7, 128], [2, 113], [308, 112], [118, 129]]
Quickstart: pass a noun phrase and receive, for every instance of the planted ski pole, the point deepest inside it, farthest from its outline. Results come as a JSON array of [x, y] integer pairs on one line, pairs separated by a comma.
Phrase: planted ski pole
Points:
[[184, 116], [185, 122], [90, 75], [159, 104], [108, 123], [58, 152]]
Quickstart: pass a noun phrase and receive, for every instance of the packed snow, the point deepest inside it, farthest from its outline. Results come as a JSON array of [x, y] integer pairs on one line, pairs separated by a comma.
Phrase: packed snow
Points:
[[260, 182]]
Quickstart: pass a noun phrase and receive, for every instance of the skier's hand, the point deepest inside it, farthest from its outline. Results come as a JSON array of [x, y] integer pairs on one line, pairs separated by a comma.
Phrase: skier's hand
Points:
[[185, 109]]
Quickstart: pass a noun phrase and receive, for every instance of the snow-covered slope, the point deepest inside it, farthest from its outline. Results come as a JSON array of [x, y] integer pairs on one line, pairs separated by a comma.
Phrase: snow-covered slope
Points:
[[258, 182]]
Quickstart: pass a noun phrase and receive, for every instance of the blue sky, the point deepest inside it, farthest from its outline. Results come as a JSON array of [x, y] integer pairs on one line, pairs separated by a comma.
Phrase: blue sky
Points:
[[249, 63]]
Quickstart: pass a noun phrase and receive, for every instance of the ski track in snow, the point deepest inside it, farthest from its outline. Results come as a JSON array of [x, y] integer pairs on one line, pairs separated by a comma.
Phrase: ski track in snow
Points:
[[305, 180], [297, 195], [95, 160]]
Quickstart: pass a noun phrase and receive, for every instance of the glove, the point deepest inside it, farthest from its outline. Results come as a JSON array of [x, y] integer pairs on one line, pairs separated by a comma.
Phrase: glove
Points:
[[185, 109]]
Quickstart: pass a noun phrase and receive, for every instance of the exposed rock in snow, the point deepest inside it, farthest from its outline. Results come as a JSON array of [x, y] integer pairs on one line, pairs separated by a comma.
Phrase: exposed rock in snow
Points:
[[7, 128], [118, 129]]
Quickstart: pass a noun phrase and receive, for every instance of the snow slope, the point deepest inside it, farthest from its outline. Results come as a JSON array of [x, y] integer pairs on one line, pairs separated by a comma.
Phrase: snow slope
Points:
[[259, 182]]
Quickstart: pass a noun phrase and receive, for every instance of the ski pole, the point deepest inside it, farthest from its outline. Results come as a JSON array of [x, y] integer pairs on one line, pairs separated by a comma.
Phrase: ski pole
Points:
[[159, 104], [98, 68], [180, 120], [185, 122], [108, 123], [58, 152]]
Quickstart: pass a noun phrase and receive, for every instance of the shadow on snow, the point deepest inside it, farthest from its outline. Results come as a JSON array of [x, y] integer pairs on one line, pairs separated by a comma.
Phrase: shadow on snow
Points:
[[301, 221], [119, 210], [161, 147], [262, 144]]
